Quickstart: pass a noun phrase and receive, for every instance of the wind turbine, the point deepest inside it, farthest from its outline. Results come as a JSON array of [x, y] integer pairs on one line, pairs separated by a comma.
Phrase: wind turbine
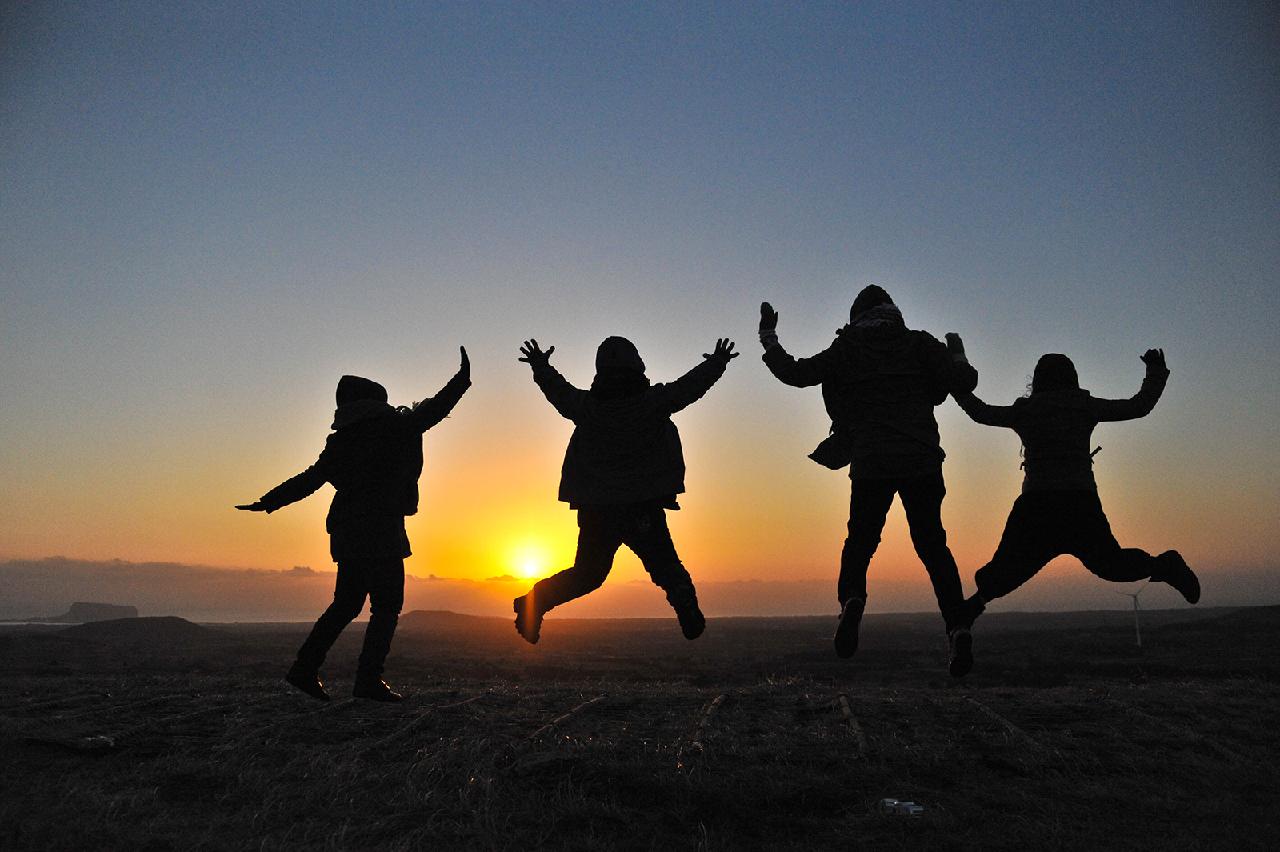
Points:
[[1137, 630]]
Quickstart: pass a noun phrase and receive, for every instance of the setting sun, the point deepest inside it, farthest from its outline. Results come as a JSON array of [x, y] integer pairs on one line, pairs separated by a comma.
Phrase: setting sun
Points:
[[530, 561]]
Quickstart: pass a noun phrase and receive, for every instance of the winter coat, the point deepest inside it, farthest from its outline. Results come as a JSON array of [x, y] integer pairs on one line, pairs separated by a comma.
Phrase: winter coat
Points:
[[1055, 427], [373, 459], [880, 386], [624, 449]]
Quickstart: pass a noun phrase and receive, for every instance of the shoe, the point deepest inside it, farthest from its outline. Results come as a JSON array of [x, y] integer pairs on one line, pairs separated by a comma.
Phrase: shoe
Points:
[[528, 619], [960, 644], [1178, 574], [375, 689], [684, 600], [306, 680], [847, 631]]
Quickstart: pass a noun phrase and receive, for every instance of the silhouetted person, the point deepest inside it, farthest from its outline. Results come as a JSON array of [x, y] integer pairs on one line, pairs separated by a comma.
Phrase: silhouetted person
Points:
[[880, 383], [622, 471], [1058, 511], [373, 460]]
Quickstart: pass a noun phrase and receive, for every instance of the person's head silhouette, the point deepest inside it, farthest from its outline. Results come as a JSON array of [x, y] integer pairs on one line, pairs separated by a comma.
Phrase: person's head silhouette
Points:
[[871, 296], [1054, 372]]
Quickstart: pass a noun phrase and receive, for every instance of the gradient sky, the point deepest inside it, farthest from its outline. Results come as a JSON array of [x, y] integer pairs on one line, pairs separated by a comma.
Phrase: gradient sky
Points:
[[210, 213]]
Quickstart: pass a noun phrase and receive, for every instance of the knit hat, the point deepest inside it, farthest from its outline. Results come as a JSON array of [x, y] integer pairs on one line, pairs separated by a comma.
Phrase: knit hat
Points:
[[870, 296], [353, 389]]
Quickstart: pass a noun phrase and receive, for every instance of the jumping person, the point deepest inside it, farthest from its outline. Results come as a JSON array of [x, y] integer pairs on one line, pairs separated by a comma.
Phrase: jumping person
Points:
[[880, 383], [373, 460], [1058, 510], [622, 470]]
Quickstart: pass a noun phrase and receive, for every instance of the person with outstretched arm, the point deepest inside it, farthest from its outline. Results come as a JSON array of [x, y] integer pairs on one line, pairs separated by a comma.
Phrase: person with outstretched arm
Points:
[[373, 459], [880, 383], [1058, 510], [622, 471]]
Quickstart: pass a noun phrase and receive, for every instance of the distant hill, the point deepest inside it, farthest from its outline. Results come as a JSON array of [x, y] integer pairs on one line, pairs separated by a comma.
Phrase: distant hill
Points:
[[158, 630]]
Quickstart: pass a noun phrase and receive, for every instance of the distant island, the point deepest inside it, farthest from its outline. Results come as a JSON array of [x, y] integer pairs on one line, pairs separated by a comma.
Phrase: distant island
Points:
[[83, 612]]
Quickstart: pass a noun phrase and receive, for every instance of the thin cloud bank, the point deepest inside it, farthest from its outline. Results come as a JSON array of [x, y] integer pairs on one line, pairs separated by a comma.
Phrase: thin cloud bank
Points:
[[42, 587]]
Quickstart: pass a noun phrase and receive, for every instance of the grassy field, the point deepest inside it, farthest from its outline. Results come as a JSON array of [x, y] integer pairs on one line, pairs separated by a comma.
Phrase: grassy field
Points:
[[157, 734]]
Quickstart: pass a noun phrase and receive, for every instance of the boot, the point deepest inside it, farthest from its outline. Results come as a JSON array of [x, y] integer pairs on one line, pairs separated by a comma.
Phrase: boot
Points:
[[846, 639], [375, 689], [307, 680], [528, 619], [1175, 571], [684, 600], [960, 646]]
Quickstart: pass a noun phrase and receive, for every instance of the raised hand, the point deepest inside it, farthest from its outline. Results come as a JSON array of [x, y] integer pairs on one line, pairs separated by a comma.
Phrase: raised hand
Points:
[[255, 506], [533, 355], [464, 368], [1154, 359], [723, 351], [768, 318], [954, 344]]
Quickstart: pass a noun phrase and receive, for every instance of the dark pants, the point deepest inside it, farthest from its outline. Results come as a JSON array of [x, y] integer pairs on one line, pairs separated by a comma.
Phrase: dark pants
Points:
[[1045, 524], [382, 580], [869, 503], [601, 531]]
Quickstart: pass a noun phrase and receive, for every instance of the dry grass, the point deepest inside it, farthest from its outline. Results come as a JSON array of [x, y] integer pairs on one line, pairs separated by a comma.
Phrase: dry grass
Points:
[[504, 747]]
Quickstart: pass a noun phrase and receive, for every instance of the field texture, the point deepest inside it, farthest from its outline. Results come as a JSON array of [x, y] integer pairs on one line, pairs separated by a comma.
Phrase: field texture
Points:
[[159, 734]]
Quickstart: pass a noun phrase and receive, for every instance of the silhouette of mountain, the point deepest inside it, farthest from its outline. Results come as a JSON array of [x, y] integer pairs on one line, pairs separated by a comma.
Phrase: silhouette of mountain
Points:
[[159, 630]]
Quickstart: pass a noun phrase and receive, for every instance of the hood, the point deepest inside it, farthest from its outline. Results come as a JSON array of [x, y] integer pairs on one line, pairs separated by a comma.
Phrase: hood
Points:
[[619, 370], [354, 388]]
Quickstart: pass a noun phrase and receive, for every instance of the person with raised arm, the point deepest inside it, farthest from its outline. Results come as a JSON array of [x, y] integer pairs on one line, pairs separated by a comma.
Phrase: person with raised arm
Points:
[[373, 459], [622, 471], [880, 383], [1058, 510]]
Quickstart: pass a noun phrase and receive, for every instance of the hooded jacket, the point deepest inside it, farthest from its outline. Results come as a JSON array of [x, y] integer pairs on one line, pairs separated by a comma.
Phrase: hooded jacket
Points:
[[373, 458], [1055, 427], [880, 385], [624, 447]]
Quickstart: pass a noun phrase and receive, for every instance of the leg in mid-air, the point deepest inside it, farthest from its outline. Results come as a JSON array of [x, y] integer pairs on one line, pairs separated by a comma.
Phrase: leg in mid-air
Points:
[[1027, 544], [869, 502], [1096, 547], [348, 599], [647, 535], [922, 503], [598, 540], [384, 579]]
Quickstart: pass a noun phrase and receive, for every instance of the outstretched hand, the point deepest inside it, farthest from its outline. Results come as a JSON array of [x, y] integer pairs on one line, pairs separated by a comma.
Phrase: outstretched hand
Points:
[[954, 344], [533, 355], [768, 318], [723, 351], [464, 367], [256, 506], [1154, 359]]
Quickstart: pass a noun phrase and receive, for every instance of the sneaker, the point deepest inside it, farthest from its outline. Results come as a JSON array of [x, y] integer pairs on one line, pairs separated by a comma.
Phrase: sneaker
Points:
[[846, 638], [528, 619], [1176, 572], [306, 680], [375, 689], [960, 644]]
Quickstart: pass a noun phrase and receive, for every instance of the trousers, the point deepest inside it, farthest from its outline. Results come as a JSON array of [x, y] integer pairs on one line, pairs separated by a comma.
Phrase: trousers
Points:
[[1045, 524], [869, 503], [382, 581], [601, 531]]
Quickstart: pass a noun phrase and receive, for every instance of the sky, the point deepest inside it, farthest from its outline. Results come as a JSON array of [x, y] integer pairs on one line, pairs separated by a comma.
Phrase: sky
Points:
[[212, 211]]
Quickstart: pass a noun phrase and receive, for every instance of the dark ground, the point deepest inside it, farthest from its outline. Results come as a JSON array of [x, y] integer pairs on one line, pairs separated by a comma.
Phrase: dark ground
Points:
[[157, 734]]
